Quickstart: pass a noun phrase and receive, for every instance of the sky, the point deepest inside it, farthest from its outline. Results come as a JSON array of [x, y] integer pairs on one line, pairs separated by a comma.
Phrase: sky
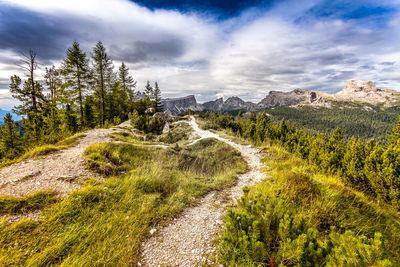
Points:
[[213, 48]]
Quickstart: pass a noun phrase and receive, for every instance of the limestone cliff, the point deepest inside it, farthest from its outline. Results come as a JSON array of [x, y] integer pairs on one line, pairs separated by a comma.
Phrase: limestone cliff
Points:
[[179, 105], [367, 92]]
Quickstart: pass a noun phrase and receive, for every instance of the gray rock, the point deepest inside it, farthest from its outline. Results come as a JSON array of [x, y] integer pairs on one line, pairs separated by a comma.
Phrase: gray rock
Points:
[[166, 128], [182, 104], [152, 231]]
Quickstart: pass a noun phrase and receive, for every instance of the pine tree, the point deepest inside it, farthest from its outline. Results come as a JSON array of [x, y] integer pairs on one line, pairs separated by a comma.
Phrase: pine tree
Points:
[[148, 91], [158, 106], [373, 169], [333, 153], [353, 163], [126, 81], [31, 98], [31, 94], [30, 64], [53, 82], [89, 111], [70, 120], [75, 69], [52, 121], [103, 71], [10, 140], [395, 135], [119, 103]]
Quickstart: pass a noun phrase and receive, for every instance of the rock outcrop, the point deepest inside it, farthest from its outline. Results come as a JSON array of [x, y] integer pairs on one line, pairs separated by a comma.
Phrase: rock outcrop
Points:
[[235, 103], [232, 103], [215, 105], [367, 92], [179, 105], [295, 97]]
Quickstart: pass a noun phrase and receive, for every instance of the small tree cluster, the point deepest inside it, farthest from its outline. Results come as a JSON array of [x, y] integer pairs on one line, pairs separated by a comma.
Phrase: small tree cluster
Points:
[[85, 92]]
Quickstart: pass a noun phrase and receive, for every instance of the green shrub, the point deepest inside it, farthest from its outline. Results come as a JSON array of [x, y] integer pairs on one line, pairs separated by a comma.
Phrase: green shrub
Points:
[[300, 217]]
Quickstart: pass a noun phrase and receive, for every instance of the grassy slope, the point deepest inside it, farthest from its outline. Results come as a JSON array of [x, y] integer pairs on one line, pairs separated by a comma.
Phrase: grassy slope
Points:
[[105, 222], [298, 216]]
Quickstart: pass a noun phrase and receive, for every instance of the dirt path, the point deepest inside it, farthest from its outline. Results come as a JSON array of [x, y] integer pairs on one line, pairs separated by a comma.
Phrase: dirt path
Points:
[[60, 170], [188, 240]]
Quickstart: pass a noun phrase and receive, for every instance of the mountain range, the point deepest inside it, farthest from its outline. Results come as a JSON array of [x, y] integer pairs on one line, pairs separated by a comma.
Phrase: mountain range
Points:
[[354, 91]]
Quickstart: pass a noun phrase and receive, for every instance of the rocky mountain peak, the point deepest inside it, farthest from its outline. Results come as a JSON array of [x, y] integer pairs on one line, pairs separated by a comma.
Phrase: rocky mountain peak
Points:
[[234, 100], [359, 86], [181, 104], [366, 92]]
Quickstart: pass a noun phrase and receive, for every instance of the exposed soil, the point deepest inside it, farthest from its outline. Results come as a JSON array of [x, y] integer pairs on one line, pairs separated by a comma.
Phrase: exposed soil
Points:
[[61, 170], [189, 239]]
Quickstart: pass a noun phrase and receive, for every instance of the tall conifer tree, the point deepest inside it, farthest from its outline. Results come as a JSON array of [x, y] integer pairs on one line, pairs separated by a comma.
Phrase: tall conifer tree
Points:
[[157, 98], [75, 69], [10, 140], [126, 81], [102, 71]]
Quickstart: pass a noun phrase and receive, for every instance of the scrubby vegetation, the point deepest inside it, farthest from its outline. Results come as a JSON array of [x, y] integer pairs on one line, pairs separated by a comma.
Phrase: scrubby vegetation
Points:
[[178, 133], [321, 206], [45, 149], [300, 217], [105, 222]]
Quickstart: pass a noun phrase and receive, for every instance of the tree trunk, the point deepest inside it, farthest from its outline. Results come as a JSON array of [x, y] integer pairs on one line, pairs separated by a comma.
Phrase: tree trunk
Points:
[[31, 67], [101, 95], [80, 97]]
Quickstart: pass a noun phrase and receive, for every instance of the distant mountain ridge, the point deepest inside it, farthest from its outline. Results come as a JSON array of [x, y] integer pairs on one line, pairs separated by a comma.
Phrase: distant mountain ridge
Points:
[[355, 90]]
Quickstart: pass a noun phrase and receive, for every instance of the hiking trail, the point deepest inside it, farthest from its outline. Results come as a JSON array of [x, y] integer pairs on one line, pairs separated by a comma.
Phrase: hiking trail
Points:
[[189, 239]]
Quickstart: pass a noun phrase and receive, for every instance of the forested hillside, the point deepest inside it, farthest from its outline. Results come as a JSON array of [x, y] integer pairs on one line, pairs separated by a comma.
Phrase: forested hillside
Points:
[[362, 121]]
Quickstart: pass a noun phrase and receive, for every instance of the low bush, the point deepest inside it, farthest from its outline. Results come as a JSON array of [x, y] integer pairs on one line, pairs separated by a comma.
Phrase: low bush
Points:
[[300, 217]]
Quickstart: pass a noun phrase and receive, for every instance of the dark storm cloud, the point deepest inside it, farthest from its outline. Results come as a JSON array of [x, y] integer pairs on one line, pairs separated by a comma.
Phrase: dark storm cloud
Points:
[[145, 51], [21, 30]]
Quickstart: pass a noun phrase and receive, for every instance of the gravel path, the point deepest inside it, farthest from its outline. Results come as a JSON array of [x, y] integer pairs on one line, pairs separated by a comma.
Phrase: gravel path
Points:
[[60, 170], [188, 240]]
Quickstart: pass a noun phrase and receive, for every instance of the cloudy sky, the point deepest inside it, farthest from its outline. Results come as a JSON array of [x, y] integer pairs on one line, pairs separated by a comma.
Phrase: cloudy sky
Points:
[[214, 48]]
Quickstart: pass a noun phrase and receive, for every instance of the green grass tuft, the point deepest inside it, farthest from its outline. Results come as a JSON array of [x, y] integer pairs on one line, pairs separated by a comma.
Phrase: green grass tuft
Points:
[[31, 202]]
